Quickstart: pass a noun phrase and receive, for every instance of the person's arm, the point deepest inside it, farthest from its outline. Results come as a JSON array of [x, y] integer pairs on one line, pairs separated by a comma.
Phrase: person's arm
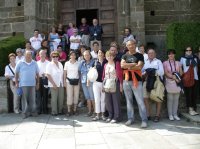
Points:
[[166, 72], [37, 81], [160, 70], [52, 81]]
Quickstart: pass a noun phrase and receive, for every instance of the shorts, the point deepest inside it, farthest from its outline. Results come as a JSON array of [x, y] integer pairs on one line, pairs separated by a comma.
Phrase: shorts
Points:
[[88, 91]]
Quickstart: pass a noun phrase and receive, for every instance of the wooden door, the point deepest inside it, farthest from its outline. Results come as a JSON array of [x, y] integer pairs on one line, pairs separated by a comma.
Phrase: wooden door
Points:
[[106, 15]]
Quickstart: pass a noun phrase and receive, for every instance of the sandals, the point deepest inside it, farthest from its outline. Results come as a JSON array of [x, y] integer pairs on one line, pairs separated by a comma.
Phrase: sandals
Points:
[[96, 118], [156, 118]]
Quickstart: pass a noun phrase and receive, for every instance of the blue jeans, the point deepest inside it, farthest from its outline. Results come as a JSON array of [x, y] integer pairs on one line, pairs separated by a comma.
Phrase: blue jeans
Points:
[[129, 90]]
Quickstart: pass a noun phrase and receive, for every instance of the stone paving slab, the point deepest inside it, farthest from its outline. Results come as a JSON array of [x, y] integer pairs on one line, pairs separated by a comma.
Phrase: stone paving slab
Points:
[[79, 132]]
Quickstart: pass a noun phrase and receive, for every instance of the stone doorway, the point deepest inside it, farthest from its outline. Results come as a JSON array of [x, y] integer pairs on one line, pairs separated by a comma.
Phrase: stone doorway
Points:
[[89, 14]]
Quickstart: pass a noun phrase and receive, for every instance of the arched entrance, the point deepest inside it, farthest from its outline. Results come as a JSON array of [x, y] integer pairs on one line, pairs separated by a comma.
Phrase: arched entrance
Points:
[[104, 10]]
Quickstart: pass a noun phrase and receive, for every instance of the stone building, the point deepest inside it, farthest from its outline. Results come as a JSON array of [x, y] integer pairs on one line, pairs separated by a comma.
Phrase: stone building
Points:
[[148, 19]]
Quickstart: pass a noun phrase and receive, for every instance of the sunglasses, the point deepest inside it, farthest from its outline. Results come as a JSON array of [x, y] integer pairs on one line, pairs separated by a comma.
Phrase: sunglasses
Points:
[[54, 56]]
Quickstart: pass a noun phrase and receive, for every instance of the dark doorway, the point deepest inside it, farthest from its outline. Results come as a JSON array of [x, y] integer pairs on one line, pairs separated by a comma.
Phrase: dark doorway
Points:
[[89, 14]]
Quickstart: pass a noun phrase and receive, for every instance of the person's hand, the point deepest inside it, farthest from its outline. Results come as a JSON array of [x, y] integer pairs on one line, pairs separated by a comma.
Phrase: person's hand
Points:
[[173, 77], [17, 84]]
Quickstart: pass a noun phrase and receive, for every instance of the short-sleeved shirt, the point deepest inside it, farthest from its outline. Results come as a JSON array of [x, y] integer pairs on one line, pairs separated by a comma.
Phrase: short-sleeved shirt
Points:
[[84, 68], [10, 73], [36, 42], [133, 58], [42, 67], [74, 45], [56, 72], [27, 73], [72, 70]]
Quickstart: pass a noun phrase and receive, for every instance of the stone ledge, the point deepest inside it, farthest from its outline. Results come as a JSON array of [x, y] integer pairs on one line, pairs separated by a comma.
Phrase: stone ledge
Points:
[[195, 119]]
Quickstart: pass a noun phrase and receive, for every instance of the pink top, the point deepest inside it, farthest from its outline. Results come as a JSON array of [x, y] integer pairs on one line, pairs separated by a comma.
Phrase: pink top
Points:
[[70, 32], [63, 56], [118, 73], [167, 67]]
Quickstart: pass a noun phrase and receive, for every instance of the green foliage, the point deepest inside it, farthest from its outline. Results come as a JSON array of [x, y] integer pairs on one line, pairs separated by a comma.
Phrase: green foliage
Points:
[[181, 35], [7, 46]]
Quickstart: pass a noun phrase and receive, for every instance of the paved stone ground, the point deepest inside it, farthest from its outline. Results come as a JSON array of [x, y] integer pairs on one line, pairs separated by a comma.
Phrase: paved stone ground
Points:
[[47, 132]]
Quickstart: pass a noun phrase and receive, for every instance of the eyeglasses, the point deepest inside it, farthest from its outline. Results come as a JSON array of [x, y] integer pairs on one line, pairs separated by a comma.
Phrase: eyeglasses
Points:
[[54, 56], [188, 50]]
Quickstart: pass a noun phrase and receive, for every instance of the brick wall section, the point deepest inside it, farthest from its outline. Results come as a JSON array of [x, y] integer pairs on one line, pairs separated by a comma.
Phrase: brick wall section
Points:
[[11, 17], [166, 12]]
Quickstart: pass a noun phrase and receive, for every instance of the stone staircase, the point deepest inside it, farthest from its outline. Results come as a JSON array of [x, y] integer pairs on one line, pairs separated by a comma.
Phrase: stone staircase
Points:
[[195, 119]]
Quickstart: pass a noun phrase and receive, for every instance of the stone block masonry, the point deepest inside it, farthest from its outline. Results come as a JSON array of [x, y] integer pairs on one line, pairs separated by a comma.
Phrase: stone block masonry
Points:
[[3, 95], [11, 17]]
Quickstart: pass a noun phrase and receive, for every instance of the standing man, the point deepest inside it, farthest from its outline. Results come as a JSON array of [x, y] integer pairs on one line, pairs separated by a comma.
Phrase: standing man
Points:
[[27, 77], [152, 64], [75, 40], [36, 40], [84, 32], [132, 63], [127, 35], [96, 32], [42, 93]]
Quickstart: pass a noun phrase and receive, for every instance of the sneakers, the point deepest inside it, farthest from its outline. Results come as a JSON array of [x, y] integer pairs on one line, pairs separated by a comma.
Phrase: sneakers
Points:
[[129, 122], [108, 120], [192, 112], [177, 118], [113, 121], [171, 118], [81, 104], [96, 118], [103, 118], [144, 124]]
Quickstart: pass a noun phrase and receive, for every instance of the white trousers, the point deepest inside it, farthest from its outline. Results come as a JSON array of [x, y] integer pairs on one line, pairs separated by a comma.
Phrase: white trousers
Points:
[[99, 97]]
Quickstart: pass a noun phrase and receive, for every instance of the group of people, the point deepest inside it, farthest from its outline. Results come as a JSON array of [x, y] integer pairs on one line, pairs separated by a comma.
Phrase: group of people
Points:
[[33, 74]]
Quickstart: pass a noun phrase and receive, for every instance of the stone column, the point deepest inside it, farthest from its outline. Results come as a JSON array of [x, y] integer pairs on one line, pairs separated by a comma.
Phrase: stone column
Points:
[[29, 17], [4, 95]]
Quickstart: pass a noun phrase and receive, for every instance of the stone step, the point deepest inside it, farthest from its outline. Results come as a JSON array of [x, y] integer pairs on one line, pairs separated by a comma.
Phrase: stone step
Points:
[[198, 108], [195, 119]]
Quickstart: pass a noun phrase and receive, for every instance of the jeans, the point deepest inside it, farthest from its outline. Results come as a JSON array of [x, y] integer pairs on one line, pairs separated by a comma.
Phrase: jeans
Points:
[[129, 90]]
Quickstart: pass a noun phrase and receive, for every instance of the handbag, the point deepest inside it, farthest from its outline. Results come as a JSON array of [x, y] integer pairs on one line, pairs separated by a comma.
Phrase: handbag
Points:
[[92, 74], [73, 81], [109, 85], [157, 94], [188, 77], [171, 86]]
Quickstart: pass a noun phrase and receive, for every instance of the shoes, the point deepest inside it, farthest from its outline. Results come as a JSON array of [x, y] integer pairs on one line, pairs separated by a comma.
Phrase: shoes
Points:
[[149, 118], [93, 115], [144, 124], [76, 113], [68, 114], [24, 116], [192, 112], [108, 120], [96, 118], [177, 118], [171, 118], [113, 121], [156, 119], [81, 104], [129, 122], [89, 114], [103, 118]]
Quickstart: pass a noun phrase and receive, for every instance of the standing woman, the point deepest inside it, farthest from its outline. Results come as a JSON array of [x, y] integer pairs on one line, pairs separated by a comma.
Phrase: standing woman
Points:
[[10, 75], [71, 82], [86, 85], [189, 62], [99, 95], [112, 70], [171, 66], [54, 72], [52, 36]]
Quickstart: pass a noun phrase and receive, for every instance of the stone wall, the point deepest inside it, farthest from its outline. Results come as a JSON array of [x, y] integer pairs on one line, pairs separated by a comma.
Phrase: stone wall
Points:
[[3, 95], [130, 13], [11, 17], [160, 13], [40, 14]]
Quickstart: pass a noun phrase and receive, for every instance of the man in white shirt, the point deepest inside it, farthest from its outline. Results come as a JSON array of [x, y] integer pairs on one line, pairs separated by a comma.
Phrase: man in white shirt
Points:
[[95, 50], [36, 40], [42, 93], [128, 36], [142, 51], [152, 62], [75, 40]]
